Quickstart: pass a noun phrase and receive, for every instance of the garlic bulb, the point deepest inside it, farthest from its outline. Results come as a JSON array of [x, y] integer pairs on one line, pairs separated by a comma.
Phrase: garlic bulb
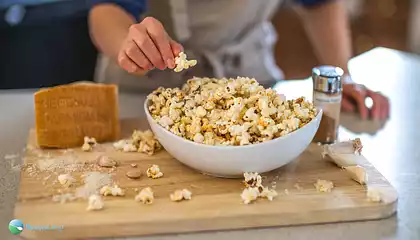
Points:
[[345, 153]]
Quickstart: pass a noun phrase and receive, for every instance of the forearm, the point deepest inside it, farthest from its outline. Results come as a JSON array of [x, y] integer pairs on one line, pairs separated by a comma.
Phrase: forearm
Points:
[[328, 30], [108, 33]]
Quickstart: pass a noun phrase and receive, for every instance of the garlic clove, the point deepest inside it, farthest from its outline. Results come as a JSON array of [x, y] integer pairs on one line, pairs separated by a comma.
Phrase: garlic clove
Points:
[[358, 174], [344, 160]]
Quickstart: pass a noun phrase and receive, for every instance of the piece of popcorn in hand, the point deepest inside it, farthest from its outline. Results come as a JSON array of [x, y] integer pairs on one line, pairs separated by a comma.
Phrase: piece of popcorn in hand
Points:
[[145, 196], [182, 63], [154, 172]]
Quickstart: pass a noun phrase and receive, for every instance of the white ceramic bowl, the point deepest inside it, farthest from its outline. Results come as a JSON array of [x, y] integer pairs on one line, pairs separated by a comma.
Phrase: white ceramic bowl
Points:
[[233, 161]]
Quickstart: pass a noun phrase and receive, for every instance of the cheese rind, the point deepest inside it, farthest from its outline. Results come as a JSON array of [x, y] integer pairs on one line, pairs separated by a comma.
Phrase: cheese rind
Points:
[[65, 114]]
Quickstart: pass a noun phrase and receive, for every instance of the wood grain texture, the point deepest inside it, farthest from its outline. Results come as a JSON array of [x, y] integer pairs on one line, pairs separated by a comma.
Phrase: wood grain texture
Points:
[[216, 203]]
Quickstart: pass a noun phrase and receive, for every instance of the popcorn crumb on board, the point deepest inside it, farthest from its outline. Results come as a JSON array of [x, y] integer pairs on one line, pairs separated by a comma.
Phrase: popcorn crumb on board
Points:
[[63, 198], [145, 196], [95, 203], [89, 144], [182, 63], [324, 185], [286, 191], [66, 180], [114, 191], [254, 188], [180, 195], [270, 194], [358, 174], [249, 195], [228, 112], [374, 195], [154, 172]]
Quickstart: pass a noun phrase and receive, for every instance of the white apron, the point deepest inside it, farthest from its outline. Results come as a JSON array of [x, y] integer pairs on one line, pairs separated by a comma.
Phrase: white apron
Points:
[[228, 38]]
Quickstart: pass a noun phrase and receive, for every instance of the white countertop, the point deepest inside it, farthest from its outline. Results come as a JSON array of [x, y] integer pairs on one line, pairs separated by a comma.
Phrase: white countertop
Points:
[[391, 147]]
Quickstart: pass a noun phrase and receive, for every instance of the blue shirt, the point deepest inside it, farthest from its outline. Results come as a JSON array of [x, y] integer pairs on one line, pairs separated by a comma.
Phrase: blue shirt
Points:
[[137, 7]]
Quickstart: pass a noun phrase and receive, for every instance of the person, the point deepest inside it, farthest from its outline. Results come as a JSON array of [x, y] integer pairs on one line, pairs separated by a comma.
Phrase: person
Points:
[[228, 38], [44, 43]]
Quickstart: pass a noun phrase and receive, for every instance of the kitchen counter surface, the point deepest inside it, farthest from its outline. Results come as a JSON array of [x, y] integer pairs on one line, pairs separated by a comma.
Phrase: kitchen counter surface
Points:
[[391, 147]]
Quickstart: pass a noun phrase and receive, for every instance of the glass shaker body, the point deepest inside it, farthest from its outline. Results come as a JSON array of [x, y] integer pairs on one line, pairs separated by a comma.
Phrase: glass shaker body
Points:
[[327, 95]]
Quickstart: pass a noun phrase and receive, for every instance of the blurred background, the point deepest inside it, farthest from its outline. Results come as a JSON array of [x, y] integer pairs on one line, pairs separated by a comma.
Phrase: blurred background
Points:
[[50, 45]]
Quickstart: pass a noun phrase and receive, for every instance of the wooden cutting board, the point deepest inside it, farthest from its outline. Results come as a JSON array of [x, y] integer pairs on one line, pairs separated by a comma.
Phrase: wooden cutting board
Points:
[[216, 203]]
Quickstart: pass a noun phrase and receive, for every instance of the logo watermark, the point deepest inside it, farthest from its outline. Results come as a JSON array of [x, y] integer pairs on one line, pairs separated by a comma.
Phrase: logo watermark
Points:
[[16, 226]]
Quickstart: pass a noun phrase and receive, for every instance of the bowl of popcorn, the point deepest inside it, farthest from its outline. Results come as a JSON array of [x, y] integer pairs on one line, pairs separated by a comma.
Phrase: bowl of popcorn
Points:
[[225, 127]]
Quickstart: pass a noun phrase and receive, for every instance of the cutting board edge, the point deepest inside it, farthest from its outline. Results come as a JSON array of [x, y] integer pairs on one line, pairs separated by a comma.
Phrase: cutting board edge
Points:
[[379, 212]]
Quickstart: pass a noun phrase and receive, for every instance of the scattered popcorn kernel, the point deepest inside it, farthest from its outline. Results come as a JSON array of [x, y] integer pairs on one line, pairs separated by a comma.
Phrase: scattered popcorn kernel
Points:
[[324, 185], [252, 179], [89, 144], [249, 195], [114, 191], [95, 203], [270, 194], [154, 172], [145, 196], [358, 174], [141, 141], [180, 195], [66, 180]]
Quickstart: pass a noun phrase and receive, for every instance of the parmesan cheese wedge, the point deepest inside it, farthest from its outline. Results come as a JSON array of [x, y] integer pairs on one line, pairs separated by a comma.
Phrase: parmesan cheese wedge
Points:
[[66, 114]]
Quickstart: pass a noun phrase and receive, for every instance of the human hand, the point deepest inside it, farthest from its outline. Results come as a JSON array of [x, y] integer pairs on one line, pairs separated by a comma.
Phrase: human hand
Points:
[[354, 96], [148, 46]]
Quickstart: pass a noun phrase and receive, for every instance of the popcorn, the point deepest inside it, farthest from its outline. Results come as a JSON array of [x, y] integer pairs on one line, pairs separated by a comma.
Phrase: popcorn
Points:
[[249, 195], [324, 185], [252, 179], [141, 141], [270, 194], [114, 191], [95, 203], [66, 180], [235, 111], [88, 144], [154, 172], [254, 188], [182, 63], [180, 195], [145, 196]]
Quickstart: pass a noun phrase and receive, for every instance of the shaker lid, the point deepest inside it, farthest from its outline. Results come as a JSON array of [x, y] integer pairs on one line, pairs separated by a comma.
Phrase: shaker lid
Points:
[[327, 78]]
